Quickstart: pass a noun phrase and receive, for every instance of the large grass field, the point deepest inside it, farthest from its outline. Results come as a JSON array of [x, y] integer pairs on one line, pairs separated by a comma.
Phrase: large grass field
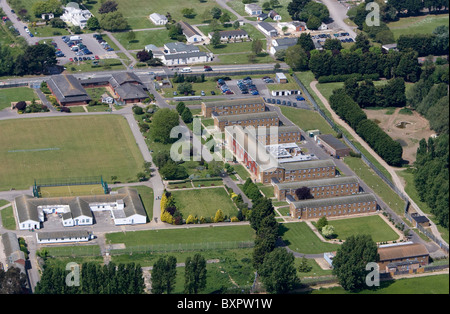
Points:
[[137, 11], [418, 24], [183, 236], [204, 202], [375, 226], [9, 95], [300, 238], [73, 146], [307, 119]]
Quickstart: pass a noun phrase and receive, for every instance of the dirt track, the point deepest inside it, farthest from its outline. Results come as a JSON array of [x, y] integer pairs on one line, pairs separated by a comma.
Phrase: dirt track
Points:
[[414, 128]]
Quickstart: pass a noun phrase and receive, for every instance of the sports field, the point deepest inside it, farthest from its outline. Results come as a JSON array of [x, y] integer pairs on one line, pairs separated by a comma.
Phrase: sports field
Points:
[[71, 190], [67, 147]]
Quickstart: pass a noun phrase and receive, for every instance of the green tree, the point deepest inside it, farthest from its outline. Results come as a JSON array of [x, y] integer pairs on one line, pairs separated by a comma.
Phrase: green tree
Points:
[[328, 231], [215, 39], [93, 23], [113, 21], [304, 266], [195, 274], [257, 46], [278, 272], [296, 58], [162, 123], [186, 115], [349, 264]]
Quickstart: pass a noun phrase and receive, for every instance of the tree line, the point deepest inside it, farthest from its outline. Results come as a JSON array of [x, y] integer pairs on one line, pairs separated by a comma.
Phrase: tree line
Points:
[[31, 60], [360, 59], [93, 279], [429, 97], [344, 106], [431, 176], [366, 94]]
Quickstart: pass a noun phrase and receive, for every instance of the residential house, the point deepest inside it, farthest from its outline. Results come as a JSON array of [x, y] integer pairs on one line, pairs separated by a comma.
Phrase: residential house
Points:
[[252, 9], [158, 19], [282, 44]]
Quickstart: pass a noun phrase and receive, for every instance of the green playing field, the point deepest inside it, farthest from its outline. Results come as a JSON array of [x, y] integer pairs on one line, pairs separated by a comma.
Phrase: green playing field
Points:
[[67, 147]]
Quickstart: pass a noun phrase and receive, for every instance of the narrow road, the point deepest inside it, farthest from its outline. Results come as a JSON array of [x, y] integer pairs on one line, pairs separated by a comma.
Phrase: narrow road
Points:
[[338, 13]]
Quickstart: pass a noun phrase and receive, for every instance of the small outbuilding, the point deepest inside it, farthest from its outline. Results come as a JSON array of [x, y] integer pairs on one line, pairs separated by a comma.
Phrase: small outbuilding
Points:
[[281, 78], [332, 145]]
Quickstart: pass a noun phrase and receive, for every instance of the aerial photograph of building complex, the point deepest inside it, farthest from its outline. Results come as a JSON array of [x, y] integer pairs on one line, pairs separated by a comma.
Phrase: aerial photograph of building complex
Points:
[[237, 152]]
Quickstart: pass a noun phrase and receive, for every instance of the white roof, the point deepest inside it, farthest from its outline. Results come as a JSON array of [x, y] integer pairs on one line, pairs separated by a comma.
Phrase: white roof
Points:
[[157, 16]]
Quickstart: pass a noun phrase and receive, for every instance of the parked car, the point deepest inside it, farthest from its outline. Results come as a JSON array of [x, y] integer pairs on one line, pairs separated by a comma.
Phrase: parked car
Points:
[[203, 93], [213, 92]]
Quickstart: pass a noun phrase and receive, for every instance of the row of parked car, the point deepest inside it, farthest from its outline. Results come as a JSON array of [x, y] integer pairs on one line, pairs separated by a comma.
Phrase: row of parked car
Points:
[[103, 42], [280, 102], [246, 86], [224, 87], [76, 45]]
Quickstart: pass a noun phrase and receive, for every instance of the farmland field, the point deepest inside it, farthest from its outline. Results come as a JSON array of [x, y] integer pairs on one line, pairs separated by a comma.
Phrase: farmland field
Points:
[[67, 147]]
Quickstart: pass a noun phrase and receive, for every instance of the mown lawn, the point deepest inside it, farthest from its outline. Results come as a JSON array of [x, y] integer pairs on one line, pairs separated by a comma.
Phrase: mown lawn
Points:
[[67, 147], [300, 238], [375, 226], [307, 119], [9, 95], [183, 236]]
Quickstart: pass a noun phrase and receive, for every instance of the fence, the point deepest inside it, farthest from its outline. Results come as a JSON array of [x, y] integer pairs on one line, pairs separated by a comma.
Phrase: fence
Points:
[[182, 247], [430, 235], [368, 162]]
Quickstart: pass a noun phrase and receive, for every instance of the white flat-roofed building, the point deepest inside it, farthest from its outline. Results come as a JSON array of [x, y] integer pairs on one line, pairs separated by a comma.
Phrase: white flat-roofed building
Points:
[[158, 19], [65, 236]]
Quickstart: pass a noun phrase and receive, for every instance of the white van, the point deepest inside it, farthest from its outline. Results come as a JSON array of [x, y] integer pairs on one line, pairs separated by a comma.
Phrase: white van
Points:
[[186, 70], [75, 38]]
